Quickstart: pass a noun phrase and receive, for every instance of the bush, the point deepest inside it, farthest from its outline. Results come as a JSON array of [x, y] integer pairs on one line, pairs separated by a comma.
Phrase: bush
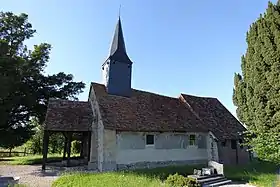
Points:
[[76, 147], [177, 180]]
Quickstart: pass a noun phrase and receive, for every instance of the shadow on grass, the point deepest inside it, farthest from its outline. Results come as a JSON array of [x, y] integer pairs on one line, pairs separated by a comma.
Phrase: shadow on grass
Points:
[[31, 160], [256, 172], [253, 172], [27, 160]]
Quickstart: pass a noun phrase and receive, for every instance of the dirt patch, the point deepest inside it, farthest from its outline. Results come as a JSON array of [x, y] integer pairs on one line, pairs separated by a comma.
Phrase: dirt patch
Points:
[[32, 176]]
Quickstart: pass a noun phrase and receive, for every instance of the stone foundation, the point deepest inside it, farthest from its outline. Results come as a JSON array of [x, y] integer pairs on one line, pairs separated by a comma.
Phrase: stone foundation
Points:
[[140, 165], [92, 165], [109, 166]]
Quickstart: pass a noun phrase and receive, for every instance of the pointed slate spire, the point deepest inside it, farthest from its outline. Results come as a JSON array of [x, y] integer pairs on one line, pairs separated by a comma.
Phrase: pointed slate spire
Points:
[[118, 50]]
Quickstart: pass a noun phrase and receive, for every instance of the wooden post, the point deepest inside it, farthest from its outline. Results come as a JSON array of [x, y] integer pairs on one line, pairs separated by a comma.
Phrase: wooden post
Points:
[[82, 147], [45, 149], [65, 147], [236, 152], [89, 145], [10, 153], [69, 138]]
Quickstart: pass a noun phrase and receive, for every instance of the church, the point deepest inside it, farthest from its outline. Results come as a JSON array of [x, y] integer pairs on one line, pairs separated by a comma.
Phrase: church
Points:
[[121, 127]]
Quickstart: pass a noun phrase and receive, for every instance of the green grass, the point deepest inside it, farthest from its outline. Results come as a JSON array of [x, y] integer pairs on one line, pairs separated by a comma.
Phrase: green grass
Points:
[[139, 178], [116, 179], [258, 173], [261, 174], [28, 160]]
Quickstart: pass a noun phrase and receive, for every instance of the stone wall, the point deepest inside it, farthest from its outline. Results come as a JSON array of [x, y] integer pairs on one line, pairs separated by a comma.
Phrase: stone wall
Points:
[[140, 165], [96, 125], [109, 150]]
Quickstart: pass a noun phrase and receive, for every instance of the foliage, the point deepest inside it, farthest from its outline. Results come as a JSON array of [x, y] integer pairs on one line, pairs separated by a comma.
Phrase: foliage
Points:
[[181, 181], [15, 137], [259, 173], [257, 90], [76, 147], [35, 143], [25, 89]]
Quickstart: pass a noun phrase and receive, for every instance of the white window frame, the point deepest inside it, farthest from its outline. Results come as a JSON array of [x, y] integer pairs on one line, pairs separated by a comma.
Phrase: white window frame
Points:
[[149, 145], [195, 140]]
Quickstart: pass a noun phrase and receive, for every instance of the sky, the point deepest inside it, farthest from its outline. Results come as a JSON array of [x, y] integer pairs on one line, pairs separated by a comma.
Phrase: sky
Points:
[[177, 46]]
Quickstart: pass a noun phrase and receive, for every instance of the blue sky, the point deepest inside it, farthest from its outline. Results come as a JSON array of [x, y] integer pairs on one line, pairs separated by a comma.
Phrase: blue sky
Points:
[[179, 46]]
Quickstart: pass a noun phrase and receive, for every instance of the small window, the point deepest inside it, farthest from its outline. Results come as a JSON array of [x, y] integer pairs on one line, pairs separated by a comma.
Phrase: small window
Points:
[[150, 139], [233, 144], [224, 143], [192, 139]]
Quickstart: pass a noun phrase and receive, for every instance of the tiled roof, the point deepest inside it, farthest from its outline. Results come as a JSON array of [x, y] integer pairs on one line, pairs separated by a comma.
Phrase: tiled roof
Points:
[[145, 111], [217, 118], [64, 115]]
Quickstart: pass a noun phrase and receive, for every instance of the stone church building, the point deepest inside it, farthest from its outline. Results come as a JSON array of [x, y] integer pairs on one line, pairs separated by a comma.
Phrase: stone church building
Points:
[[122, 127]]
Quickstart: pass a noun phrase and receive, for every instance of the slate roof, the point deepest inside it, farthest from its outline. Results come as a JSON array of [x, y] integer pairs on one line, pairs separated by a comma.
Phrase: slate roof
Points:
[[65, 115], [118, 50], [217, 118], [145, 111]]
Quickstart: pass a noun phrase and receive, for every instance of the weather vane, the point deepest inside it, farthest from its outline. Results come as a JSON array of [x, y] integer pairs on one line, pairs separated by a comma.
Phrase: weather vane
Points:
[[120, 9]]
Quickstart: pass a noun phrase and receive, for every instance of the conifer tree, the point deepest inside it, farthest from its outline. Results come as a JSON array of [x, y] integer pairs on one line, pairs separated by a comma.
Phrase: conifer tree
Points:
[[257, 89]]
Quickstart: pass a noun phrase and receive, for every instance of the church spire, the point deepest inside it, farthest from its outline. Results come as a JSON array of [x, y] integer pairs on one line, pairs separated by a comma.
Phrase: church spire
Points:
[[117, 69], [118, 50]]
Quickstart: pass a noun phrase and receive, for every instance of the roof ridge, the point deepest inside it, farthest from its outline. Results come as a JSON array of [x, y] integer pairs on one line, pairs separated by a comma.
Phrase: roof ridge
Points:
[[139, 90], [181, 97], [205, 97], [172, 97], [58, 99]]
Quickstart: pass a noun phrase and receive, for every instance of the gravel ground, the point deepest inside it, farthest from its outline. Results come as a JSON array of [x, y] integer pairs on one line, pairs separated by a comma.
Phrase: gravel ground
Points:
[[32, 176]]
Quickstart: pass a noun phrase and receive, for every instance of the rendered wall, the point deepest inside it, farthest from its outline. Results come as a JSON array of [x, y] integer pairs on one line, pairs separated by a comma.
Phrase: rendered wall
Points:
[[168, 148], [96, 150]]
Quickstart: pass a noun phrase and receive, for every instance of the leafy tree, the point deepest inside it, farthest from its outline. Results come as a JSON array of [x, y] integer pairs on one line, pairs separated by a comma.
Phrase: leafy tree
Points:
[[35, 143], [25, 89], [257, 90]]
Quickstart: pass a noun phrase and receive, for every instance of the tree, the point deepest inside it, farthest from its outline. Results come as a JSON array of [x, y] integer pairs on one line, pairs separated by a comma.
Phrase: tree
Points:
[[25, 89], [35, 143], [257, 89]]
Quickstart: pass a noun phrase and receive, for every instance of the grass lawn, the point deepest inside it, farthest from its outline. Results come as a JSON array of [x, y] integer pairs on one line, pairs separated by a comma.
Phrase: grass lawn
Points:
[[261, 174], [258, 173], [28, 160], [139, 178]]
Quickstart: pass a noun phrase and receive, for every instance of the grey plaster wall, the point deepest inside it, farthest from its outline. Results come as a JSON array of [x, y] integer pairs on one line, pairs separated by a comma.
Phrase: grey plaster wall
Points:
[[168, 147], [131, 140], [136, 140], [171, 141]]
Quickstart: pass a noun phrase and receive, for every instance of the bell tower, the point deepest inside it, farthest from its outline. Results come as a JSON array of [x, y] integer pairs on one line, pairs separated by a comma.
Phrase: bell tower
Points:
[[117, 69]]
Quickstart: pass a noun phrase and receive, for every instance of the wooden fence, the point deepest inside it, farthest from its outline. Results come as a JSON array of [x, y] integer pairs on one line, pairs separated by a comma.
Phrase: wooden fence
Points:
[[14, 153]]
